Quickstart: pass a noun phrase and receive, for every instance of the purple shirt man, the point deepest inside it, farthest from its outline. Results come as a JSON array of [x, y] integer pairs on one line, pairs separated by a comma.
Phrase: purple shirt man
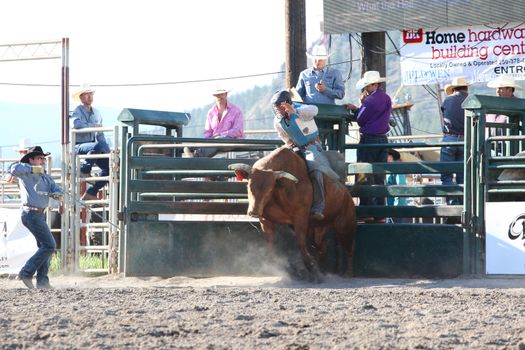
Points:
[[374, 113], [372, 117]]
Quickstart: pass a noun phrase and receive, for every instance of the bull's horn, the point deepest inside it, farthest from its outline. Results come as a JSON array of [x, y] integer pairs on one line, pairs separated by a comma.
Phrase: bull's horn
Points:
[[284, 174], [240, 166]]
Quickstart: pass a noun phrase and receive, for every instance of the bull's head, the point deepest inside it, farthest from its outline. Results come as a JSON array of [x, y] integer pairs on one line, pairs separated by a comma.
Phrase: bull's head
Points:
[[261, 184]]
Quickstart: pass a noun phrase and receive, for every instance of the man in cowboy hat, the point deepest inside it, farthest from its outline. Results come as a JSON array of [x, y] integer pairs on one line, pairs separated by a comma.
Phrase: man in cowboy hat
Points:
[[453, 130], [372, 117], [35, 189], [224, 120], [86, 116], [505, 86], [320, 83]]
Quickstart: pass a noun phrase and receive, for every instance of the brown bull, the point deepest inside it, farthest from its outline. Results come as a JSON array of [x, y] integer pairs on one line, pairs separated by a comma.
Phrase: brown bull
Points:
[[280, 192]]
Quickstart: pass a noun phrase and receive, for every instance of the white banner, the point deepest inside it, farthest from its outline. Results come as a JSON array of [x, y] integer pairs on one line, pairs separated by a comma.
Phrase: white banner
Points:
[[17, 244], [505, 237], [480, 53]]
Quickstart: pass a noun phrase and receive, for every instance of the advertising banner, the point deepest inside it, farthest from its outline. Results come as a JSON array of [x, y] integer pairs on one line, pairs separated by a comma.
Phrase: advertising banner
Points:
[[17, 244], [480, 53], [505, 237]]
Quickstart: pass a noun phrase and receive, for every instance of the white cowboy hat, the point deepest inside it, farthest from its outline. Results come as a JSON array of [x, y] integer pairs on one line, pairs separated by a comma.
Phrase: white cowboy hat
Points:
[[503, 81], [370, 77], [318, 53], [84, 88], [220, 91], [456, 82], [24, 145]]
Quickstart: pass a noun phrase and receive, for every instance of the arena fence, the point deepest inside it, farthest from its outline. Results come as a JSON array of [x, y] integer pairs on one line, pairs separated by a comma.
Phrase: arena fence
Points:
[[187, 215]]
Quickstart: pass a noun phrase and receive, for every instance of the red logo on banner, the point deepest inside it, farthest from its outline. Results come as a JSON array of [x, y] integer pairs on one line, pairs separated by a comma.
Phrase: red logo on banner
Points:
[[412, 36]]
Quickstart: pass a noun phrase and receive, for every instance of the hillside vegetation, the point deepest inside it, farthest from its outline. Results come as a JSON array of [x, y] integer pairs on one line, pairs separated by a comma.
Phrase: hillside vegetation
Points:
[[346, 57]]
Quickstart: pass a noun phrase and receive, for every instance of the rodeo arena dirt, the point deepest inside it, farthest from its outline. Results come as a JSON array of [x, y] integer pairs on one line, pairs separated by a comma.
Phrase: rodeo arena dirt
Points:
[[263, 312]]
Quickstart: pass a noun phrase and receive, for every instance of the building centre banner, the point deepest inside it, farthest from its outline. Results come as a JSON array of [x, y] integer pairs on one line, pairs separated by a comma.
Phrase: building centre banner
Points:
[[480, 53], [17, 244]]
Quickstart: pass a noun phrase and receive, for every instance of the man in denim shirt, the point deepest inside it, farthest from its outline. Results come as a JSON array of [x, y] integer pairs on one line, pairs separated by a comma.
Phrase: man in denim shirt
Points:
[[319, 83], [86, 116], [453, 130], [35, 189]]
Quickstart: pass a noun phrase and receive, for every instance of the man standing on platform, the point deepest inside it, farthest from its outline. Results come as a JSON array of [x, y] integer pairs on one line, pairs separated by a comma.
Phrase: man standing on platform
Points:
[[454, 130], [320, 84], [372, 117]]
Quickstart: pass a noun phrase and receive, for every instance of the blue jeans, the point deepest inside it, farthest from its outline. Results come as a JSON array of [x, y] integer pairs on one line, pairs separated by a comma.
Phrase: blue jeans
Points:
[[39, 262], [312, 154], [372, 155], [87, 164], [452, 154]]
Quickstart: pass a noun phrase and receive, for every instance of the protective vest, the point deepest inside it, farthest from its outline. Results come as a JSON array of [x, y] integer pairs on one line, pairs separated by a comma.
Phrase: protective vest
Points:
[[300, 132]]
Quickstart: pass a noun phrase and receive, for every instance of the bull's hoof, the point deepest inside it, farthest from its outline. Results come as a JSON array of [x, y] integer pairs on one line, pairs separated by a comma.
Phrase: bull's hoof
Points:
[[315, 278], [296, 273], [315, 274]]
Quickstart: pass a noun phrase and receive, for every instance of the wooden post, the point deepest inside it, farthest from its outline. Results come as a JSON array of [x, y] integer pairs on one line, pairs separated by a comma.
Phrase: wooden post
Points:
[[373, 52], [295, 24]]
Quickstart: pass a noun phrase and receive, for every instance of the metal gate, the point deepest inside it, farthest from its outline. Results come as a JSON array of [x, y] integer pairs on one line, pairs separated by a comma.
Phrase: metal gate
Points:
[[487, 153]]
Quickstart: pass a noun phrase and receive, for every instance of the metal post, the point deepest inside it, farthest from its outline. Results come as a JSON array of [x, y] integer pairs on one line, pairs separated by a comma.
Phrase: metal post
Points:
[[124, 163], [66, 175]]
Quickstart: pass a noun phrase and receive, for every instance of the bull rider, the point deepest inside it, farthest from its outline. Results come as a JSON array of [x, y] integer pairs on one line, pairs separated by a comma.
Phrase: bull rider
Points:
[[296, 126]]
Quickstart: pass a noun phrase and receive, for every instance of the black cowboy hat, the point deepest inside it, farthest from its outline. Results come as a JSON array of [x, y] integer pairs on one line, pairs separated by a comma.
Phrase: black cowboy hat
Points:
[[33, 152]]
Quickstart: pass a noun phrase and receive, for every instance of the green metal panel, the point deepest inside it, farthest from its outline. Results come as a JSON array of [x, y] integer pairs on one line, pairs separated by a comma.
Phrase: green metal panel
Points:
[[406, 191], [330, 112], [481, 168], [153, 207], [133, 116], [187, 186], [409, 250], [168, 248], [409, 211], [494, 104], [185, 163], [405, 168]]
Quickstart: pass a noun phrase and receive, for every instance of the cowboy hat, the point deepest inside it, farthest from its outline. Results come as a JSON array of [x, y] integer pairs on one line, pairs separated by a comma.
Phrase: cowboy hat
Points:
[[503, 81], [33, 152], [370, 77], [24, 145], [318, 53], [84, 88], [220, 92], [456, 82]]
